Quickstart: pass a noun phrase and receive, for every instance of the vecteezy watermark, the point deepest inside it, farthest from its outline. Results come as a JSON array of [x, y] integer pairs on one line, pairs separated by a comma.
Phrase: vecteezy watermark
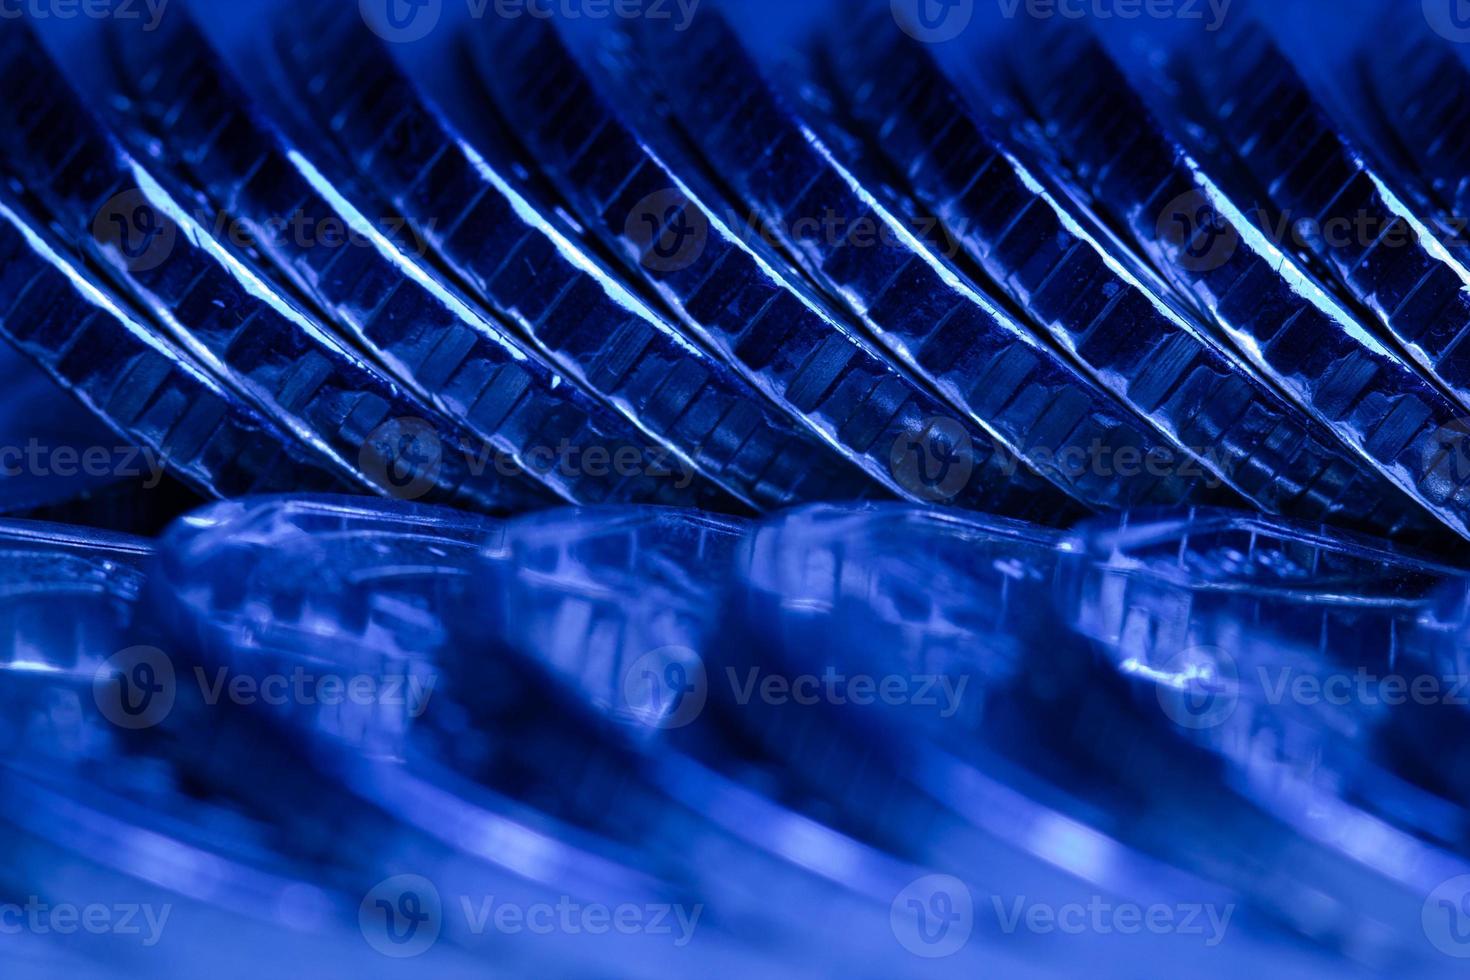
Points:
[[304, 688], [1201, 239], [668, 231], [406, 21], [669, 688], [936, 461], [405, 915], [147, 13], [941, 692], [302, 230], [137, 688], [142, 236], [1198, 687], [1101, 916], [566, 917], [39, 918], [405, 456], [1445, 917], [1211, 13], [665, 688], [1362, 687], [933, 916], [1447, 453], [401, 916], [1450, 19], [832, 229], [933, 21], [401, 21], [39, 459]]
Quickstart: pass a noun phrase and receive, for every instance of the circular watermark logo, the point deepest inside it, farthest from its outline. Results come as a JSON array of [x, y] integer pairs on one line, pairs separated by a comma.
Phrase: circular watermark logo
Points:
[[933, 21], [934, 462], [666, 688], [402, 916], [135, 688], [933, 917], [142, 236], [1450, 19], [1446, 917], [669, 231], [403, 457], [1448, 451], [1200, 687], [401, 21], [1200, 237]]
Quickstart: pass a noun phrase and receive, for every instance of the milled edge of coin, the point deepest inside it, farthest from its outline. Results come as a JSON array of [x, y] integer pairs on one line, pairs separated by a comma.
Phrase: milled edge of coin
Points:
[[743, 250], [579, 271], [1360, 501], [491, 350], [238, 436], [377, 404]]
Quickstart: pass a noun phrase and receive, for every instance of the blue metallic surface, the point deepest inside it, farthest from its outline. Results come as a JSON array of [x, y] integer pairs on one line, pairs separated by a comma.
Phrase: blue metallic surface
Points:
[[1008, 535], [1170, 598], [99, 804], [731, 292], [1025, 238], [1305, 167], [147, 390], [571, 307], [1237, 629], [214, 306], [1281, 320], [468, 365], [619, 605], [968, 749], [42, 415], [460, 754]]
